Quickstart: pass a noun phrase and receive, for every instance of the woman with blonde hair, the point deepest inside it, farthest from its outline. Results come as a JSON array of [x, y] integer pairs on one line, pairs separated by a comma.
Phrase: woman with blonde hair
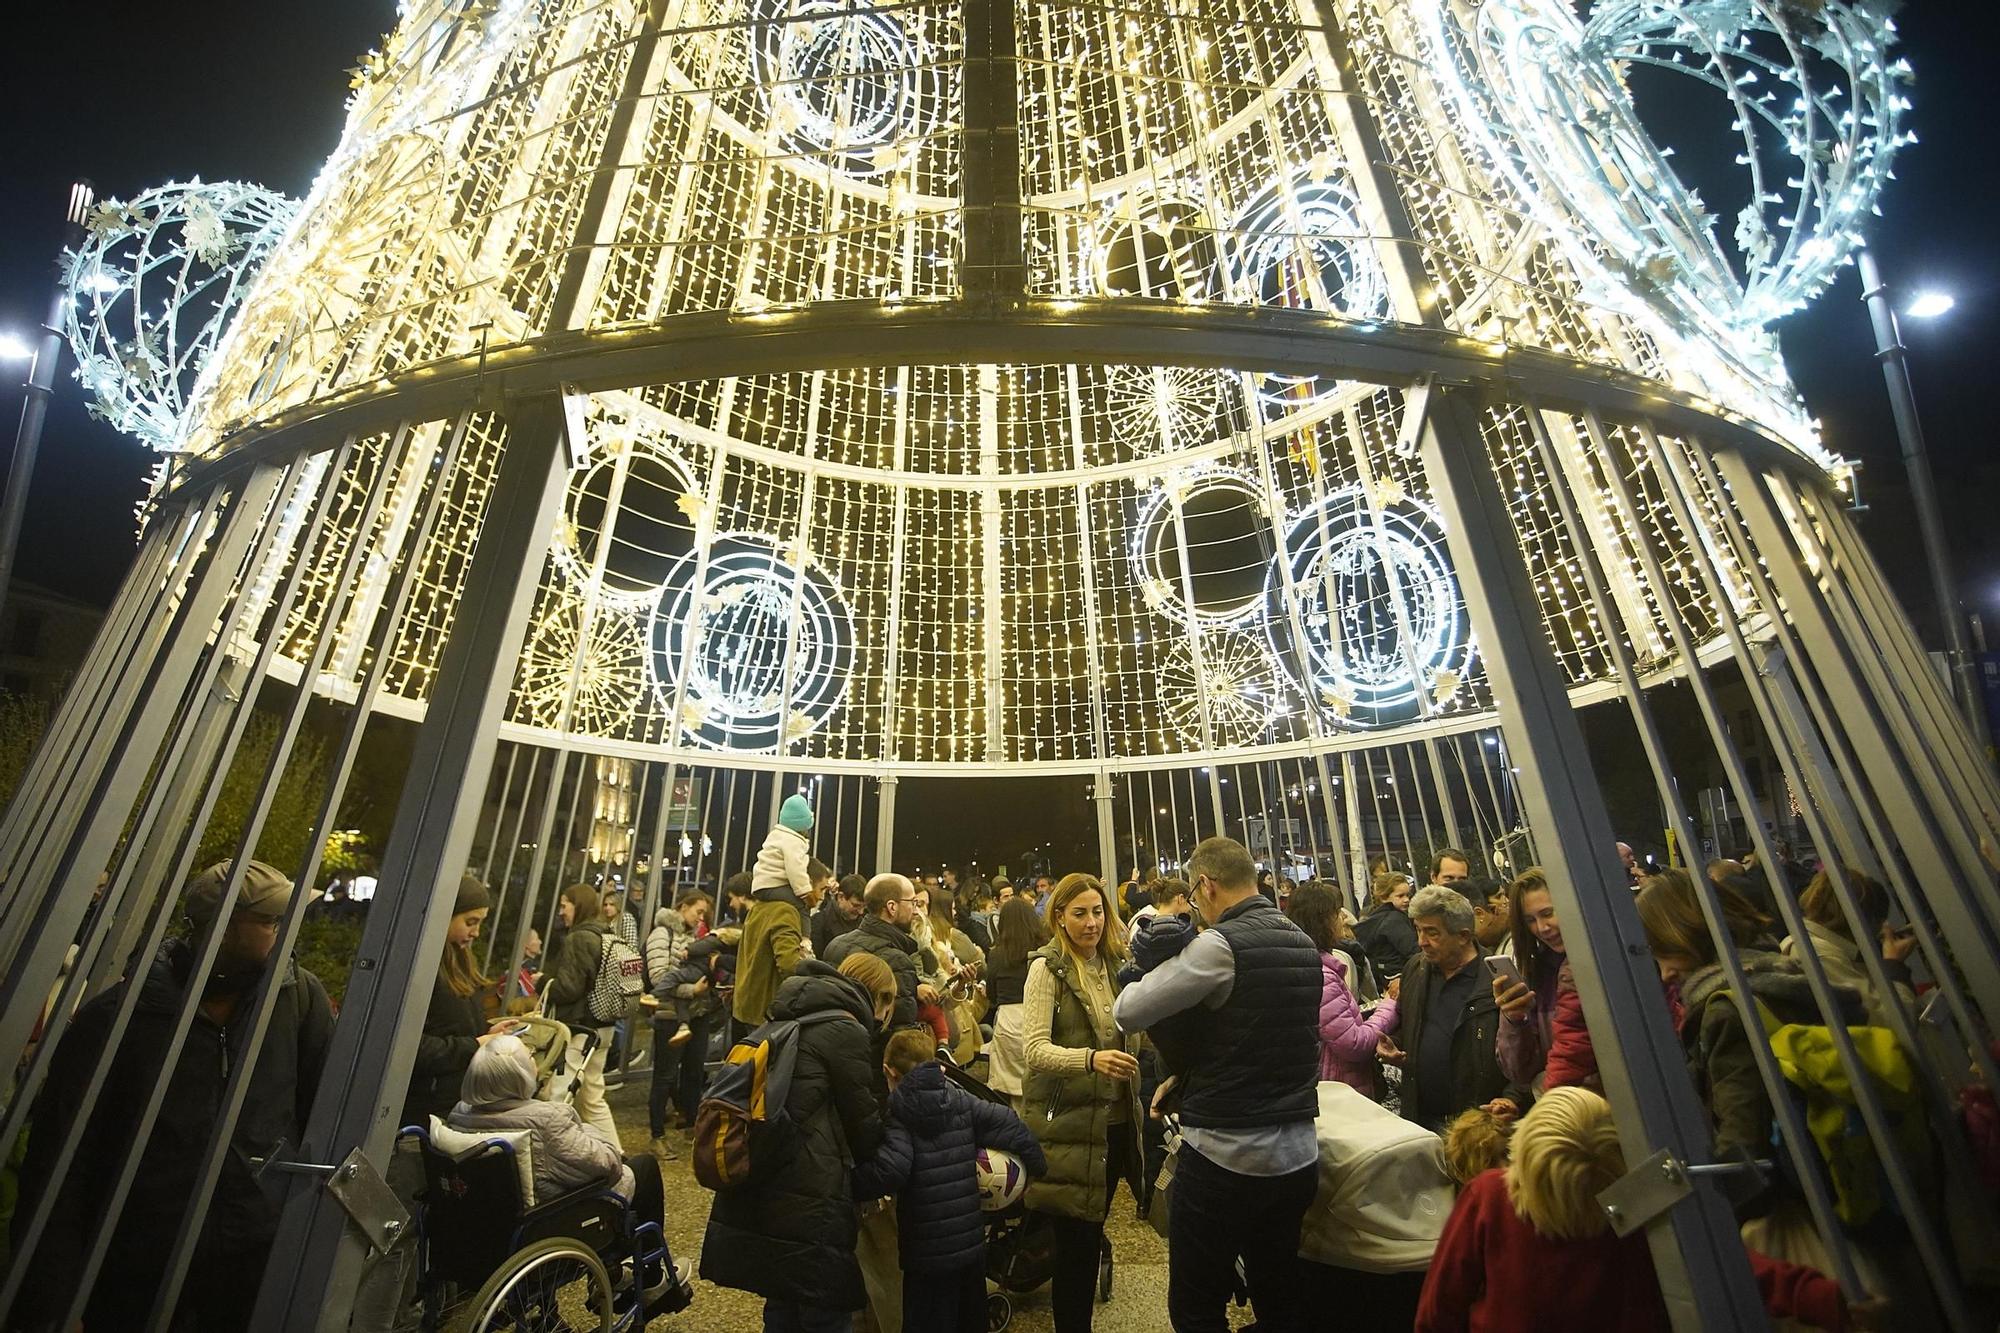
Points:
[[1528, 1246], [1081, 1093]]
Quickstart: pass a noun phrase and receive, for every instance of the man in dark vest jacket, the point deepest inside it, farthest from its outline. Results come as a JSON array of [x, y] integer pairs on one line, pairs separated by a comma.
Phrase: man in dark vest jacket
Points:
[[1247, 994]]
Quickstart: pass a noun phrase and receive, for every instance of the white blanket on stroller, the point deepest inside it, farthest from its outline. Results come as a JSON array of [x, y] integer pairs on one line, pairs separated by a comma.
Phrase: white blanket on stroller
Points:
[[1383, 1194]]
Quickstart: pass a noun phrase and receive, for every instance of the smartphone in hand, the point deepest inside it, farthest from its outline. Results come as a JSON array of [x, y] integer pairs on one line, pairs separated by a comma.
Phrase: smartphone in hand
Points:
[[1502, 966]]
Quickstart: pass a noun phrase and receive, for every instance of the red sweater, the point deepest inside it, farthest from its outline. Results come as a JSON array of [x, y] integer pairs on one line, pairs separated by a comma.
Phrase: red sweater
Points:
[[1493, 1273]]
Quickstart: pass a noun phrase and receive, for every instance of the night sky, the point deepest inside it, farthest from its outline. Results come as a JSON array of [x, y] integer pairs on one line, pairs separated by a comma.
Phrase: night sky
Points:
[[137, 95]]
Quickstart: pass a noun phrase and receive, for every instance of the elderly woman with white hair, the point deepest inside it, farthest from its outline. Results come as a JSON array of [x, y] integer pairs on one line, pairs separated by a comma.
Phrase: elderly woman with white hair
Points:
[[498, 1094]]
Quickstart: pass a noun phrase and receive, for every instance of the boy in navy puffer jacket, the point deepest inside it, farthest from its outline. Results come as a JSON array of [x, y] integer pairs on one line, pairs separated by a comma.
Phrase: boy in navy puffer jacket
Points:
[[928, 1161]]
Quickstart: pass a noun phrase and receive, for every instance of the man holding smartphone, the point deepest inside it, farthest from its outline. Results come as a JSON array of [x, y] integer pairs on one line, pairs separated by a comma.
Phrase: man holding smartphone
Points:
[[1446, 1033]]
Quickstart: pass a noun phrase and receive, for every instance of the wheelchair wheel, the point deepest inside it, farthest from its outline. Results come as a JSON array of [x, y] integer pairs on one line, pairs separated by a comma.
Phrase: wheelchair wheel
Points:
[[1104, 1272], [553, 1286], [999, 1310]]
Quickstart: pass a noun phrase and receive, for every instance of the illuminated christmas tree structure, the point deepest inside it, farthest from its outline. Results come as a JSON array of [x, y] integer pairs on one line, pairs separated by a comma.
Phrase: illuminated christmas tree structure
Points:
[[983, 390]]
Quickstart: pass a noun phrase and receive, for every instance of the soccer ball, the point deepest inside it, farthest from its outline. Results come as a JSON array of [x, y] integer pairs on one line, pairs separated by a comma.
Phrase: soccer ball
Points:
[[1002, 1179]]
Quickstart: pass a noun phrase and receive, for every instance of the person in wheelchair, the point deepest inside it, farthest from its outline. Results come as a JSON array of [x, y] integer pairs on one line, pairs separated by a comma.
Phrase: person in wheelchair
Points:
[[499, 1095]]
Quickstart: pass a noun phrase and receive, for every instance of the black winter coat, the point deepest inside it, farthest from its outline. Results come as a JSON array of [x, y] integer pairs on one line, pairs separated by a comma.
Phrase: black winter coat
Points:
[[894, 946], [790, 1235], [928, 1161], [452, 1029], [1389, 938], [828, 925], [242, 1218], [1476, 1076]]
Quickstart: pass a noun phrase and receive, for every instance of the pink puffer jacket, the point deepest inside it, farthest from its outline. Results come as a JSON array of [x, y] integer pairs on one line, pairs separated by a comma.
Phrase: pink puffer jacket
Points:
[[1346, 1039]]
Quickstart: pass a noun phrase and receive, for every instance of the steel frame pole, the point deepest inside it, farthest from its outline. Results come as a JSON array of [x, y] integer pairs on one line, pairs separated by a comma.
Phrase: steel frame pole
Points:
[[1895, 361], [40, 387], [1704, 1273], [368, 1066]]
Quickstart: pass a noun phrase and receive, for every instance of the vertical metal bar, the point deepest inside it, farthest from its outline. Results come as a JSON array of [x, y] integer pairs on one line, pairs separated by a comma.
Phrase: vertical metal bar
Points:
[[367, 1071], [1958, 898], [1107, 827], [45, 817], [164, 715], [1364, 882], [1791, 1123], [885, 825], [722, 870], [531, 887], [499, 817], [112, 651], [526, 907], [1703, 1272], [1902, 1183], [53, 889], [1336, 842], [1877, 606]]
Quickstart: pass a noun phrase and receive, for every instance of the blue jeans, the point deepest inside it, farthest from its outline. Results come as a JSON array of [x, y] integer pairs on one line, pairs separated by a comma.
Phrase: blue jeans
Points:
[[785, 1317]]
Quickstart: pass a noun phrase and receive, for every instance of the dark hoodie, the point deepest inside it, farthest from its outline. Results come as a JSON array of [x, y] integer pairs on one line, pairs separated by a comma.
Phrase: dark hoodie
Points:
[[242, 1218], [928, 1161], [789, 1235]]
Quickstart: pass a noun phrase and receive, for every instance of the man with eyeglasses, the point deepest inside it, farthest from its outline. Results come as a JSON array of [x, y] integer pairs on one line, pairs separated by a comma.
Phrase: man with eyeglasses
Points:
[[235, 1240], [1243, 998], [890, 904]]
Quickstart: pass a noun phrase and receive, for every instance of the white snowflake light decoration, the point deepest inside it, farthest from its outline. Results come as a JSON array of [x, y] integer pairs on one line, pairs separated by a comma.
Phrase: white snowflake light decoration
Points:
[[152, 289]]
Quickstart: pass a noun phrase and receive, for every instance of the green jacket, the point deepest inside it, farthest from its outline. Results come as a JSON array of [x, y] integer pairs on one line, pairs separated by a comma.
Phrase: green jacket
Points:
[[1070, 1114], [567, 991], [773, 932]]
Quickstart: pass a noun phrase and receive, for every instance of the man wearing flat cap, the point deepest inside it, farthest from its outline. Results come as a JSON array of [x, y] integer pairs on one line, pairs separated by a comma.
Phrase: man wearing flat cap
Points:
[[229, 1258]]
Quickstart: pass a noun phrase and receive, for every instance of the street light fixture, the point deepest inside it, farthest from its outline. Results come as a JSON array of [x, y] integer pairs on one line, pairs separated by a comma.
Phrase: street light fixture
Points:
[[1929, 305], [13, 347], [1889, 350]]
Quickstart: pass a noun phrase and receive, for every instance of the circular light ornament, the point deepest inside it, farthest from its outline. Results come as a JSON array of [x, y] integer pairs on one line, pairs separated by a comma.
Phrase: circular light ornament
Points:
[[153, 287], [607, 666], [649, 533], [1155, 246], [1226, 517], [1237, 677], [1381, 630], [1809, 91], [852, 87], [1156, 410], [1303, 246], [731, 636]]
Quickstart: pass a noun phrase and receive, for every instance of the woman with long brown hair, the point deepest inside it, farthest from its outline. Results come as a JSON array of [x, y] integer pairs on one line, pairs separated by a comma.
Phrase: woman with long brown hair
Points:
[[1082, 1087], [456, 1024], [1019, 933]]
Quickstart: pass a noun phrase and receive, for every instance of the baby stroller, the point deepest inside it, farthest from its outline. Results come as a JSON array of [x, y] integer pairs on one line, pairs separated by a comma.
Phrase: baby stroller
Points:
[[1020, 1245]]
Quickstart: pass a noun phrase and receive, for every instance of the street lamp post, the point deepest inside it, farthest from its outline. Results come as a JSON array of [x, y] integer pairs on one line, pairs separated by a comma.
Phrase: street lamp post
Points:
[[40, 384], [1889, 350]]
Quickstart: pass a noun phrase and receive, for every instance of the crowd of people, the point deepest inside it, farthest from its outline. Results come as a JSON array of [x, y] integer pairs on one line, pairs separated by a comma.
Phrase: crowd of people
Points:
[[1179, 1036]]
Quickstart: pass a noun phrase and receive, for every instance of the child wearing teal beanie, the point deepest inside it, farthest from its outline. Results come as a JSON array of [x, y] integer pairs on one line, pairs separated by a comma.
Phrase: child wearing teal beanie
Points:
[[781, 861]]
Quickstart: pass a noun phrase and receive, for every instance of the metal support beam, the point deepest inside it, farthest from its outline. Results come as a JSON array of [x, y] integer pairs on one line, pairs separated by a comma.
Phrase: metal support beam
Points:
[[1703, 1272], [368, 1068], [885, 826]]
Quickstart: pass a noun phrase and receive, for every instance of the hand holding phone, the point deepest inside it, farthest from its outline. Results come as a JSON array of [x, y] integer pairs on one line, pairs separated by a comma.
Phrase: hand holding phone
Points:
[[1510, 992]]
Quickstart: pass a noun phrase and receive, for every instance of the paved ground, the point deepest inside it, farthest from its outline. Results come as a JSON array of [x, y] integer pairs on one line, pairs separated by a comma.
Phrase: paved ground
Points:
[[1139, 1300]]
